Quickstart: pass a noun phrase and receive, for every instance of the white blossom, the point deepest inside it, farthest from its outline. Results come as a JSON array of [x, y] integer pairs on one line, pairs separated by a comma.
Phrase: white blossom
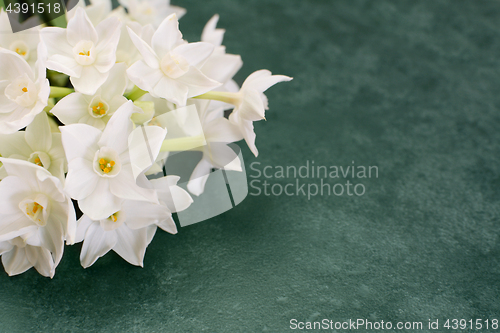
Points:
[[83, 52], [36, 216], [24, 42], [100, 172], [94, 110], [129, 230], [170, 67], [23, 93], [251, 103], [37, 145]]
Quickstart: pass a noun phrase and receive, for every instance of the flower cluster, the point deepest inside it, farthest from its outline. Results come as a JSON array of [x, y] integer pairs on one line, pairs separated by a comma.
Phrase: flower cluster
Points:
[[90, 112]]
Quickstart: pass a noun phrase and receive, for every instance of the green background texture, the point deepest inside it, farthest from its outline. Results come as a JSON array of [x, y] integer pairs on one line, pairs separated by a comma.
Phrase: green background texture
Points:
[[408, 86]]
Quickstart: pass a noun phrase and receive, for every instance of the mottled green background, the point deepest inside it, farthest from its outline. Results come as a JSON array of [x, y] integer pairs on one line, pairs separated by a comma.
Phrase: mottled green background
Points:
[[409, 86]]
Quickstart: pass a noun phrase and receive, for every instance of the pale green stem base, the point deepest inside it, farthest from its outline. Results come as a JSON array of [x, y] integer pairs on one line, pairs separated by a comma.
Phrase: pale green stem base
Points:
[[59, 92], [223, 96], [183, 144], [135, 94]]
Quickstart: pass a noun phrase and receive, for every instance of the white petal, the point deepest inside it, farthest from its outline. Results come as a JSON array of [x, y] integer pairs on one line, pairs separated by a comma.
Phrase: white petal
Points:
[[80, 140], [12, 191], [257, 75], [141, 214], [96, 244], [14, 225], [262, 80], [81, 180], [195, 53], [222, 130], [222, 68], [80, 28], [172, 90], [149, 55], [101, 203], [125, 187], [13, 66], [144, 76], [17, 119], [59, 51], [64, 64], [52, 238], [109, 33], [168, 225], [14, 144], [5, 247], [68, 220], [171, 195], [38, 133], [71, 108], [246, 128], [131, 244], [197, 82], [212, 35], [24, 170], [115, 135], [42, 260], [144, 147], [6, 105], [252, 107], [89, 81], [115, 84], [15, 262], [82, 226], [199, 177], [166, 36], [223, 157]]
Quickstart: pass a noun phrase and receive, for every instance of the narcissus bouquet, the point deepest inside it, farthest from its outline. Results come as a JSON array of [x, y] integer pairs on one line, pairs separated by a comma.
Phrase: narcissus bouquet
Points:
[[90, 112]]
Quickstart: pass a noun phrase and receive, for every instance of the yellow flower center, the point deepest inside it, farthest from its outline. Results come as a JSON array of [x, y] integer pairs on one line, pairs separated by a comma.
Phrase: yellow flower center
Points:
[[99, 109], [85, 53], [20, 52], [113, 217], [106, 167], [20, 48], [25, 89], [34, 211]]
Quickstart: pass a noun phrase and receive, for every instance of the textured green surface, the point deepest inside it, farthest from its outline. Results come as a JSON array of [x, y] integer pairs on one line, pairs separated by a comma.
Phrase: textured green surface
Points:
[[411, 87]]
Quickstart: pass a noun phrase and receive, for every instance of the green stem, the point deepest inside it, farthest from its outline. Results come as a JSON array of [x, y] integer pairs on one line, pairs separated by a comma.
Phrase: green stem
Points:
[[136, 93], [58, 92], [223, 96], [183, 144]]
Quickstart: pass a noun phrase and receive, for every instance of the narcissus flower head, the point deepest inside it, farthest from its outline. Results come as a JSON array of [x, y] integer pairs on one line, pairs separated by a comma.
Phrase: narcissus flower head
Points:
[[83, 52], [170, 67]]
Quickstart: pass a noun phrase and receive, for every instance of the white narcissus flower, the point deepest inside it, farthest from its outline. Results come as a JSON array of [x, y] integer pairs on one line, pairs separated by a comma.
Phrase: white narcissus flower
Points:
[[101, 175], [130, 230], [23, 93], [170, 67], [37, 145], [23, 42], [18, 257], [97, 109], [250, 103], [151, 11], [83, 52], [35, 218], [218, 133], [220, 66]]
